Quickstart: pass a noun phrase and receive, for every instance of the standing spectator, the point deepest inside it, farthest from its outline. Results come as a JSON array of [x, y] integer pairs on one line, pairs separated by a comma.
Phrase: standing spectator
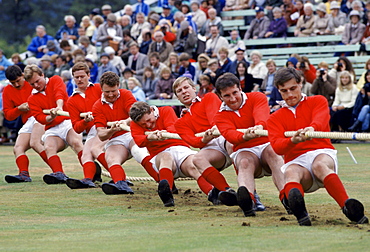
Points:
[[186, 66], [4, 64], [110, 31], [38, 43], [258, 26], [186, 39], [240, 57], [141, 7], [106, 66], [138, 27], [135, 87], [149, 83], [278, 26], [164, 85], [197, 15], [212, 20], [305, 24], [324, 85], [345, 97], [68, 31], [215, 42], [46, 66], [137, 61], [162, 47], [337, 19]]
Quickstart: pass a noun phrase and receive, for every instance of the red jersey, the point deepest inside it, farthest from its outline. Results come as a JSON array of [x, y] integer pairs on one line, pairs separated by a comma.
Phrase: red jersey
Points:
[[12, 98], [253, 111], [199, 118], [166, 118], [313, 112], [83, 102], [55, 89], [104, 112]]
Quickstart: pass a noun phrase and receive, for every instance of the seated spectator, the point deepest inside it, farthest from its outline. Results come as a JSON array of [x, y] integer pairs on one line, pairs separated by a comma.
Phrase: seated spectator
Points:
[[137, 61], [215, 42], [204, 7], [216, 5], [98, 21], [291, 62], [153, 19], [93, 68], [106, 66], [343, 64], [186, 39], [306, 86], [110, 33], [66, 46], [166, 13], [186, 66], [358, 6], [67, 79], [235, 43], [205, 86], [278, 26], [305, 24], [149, 83], [46, 66], [321, 26], [38, 43], [69, 30], [299, 5], [275, 96], [106, 9], [127, 42], [125, 22], [268, 81], [308, 70], [147, 40], [164, 85], [198, 16], [155, 64], [115, 60], [16, 59], [290, 12], [138, 27], [353, 32], [337, 19], [324, 84], [212, 71], [211, 21], [361, 81], [87, 47], [247, 83], [365, 40], [169, 32], [61, 64], [345, 97], [141, 7], [202, 66], [185, 9], [258, 26], [235, 5], [180, 17], [173, 63], [257, 69], [88, 26], [127, 74], [240, 57], [135, 87], [361, 108], [162, 47], [224, 61]]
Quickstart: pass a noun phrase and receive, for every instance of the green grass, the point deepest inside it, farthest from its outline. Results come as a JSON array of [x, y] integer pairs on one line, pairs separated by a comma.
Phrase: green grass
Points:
[[39, 217]]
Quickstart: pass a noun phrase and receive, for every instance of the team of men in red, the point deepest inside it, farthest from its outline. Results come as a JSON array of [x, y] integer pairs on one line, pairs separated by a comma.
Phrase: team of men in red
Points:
[[310, 164], [15, 104], [171, 157]]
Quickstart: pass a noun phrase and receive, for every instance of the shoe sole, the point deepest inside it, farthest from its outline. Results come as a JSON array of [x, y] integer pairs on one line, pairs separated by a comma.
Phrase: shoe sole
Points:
[[97, 176], [228, 198], [13, 179], [111, 189], [76, 184], [298, 207], [355, 211], [245, 201], [213, 197], [164, 192], [51, 180]]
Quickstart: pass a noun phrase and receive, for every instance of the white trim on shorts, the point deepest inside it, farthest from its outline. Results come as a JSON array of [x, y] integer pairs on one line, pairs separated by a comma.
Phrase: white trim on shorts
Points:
[[219, 144], [305, 160], [123, 139], [61, 130], [179, 154], [92, 133], [28, 126]]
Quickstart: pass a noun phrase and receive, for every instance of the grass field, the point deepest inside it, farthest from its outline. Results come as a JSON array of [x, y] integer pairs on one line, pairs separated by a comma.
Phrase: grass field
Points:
[[39, 217]]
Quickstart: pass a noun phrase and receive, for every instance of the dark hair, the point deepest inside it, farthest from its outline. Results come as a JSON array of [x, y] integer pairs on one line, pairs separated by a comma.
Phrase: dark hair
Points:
[[13, 72], [184, 57], [64, 43], [110, 79], [284, 75], [126, 32], [244, 65], [349, 66], [154, 54], [366, 74], [62, 57], [138, 110], [226, 80]]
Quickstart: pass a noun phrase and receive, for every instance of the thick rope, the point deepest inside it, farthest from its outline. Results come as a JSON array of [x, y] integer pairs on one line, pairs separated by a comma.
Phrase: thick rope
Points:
[[61, 113]]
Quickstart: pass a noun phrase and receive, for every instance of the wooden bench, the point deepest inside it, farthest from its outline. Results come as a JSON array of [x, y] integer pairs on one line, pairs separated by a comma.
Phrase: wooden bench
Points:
[[293, 40]]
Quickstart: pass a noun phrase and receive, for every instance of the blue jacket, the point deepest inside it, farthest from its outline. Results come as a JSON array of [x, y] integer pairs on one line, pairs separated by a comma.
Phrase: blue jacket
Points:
[[105, 68], [5, 63], [94, 74], [65, 29], [138, 93], [226, 66], [278, 27], [142, 7], [190, 69], [36, 42]]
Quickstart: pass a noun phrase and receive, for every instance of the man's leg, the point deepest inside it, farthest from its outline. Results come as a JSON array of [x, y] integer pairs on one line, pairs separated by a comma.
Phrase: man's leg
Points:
[[142, 156], [54, 144], [167, 167], [35, 142], [75, 141]]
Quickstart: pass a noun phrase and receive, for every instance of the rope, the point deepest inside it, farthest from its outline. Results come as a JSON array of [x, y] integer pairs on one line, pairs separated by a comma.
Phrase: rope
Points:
[[107, 174], [61, 113]]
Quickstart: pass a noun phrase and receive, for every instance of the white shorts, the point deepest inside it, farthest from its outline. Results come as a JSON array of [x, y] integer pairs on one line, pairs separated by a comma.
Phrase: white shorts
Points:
[[306, 160], [92, 133], [28, 126], [256, 150], [219, 144], [124, 140], [61, 130], [179, 154]]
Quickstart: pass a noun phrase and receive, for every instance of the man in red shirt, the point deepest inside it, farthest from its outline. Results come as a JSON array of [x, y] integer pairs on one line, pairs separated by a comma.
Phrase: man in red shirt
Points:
[[15, 104], [310, 164], [82, 101], [253, 156], [114, 106], [50, 93], [171, 157]]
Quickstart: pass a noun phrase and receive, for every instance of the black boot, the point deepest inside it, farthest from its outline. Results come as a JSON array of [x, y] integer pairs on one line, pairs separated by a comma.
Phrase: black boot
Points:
[[356, 127]]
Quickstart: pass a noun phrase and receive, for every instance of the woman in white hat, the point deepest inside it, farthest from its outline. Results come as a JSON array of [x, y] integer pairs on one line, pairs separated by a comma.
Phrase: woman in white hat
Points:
[[337, 19], [322, 20]]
